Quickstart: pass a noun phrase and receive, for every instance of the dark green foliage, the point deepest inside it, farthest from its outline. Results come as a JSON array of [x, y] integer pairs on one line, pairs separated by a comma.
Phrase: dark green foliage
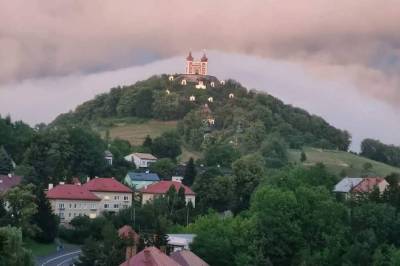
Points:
[[274, 151], [167, 145], [376, 150], [45, 219], [190, 173], [144, 103], [147, 144], [165, 168], [12, 250], [6, 166], [221, 154], [303, 157]]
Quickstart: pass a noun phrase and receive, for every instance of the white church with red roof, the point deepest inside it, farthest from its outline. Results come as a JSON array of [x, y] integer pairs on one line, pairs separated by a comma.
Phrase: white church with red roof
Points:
[[89, 199]]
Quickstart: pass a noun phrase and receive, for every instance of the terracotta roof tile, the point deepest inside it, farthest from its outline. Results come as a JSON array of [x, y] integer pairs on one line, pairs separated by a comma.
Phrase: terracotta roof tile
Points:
[[163, 186], [187, 258], [71, 192], [150, 256], [7, 182], [106, 185]]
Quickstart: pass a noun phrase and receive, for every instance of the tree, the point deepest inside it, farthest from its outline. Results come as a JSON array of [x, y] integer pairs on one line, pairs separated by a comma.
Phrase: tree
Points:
[[190, 173], [221, 154], [45, 219], [274, 150], [168, 145], [21, 208], [147, 143], [367, 167], [6, 166], [164, 167], [12, 251], [248, 171], [144, 103], [90, 252], [303, 157]]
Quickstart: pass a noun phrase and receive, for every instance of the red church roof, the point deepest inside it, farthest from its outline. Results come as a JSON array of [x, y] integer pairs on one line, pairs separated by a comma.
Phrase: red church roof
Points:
[[71, 192], [106, 185], [204, 58], [163, 186], [150, 256]]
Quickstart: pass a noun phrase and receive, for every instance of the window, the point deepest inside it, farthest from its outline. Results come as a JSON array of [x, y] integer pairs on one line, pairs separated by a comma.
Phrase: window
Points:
[[116, 197], [75, 205], [116, 206], [74, 214], [61, 206], [126, 198], [61, 215], [70, 205], [69, 214], [105, 206]]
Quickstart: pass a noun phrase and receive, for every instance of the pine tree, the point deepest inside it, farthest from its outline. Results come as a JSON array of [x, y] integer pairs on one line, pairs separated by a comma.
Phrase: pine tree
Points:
[[6, 166], [190, 173], [303, 157], [45, 219], [147, 144]]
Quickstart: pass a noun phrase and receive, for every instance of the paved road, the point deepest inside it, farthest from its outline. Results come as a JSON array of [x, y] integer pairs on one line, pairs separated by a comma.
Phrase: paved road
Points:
[[61, 258]]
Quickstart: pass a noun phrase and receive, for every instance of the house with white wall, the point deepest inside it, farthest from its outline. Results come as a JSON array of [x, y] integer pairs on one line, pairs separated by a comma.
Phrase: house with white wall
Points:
[[141, 160]]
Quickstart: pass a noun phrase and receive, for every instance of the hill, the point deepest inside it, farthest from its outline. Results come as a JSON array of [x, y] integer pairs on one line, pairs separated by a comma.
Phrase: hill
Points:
[[215, 112], [339, 161]]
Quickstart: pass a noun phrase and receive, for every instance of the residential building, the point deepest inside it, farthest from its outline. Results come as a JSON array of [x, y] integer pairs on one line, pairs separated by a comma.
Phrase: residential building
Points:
[[141, 160], [159, 189], [187, 258], [9, 181], [71, 200], [178, 242], [90, 199], [352, 185], [114, 195], [139, 180]]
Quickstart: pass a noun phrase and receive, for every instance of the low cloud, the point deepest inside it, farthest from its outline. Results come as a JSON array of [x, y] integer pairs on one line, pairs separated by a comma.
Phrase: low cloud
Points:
[[357, 39]]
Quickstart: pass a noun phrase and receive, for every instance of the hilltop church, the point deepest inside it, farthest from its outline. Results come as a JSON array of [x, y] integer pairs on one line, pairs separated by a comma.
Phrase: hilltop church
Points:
[[194, 67]]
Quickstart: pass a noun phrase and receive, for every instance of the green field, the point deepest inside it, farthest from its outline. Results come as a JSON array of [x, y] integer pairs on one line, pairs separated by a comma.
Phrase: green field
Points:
[[137, 132], [337, 161]]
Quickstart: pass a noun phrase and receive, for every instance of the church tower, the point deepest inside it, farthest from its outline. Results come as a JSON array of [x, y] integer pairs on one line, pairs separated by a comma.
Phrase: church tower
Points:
[[194, 67]]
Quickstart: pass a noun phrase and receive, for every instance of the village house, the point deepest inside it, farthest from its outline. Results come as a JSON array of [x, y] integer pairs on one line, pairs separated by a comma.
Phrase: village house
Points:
[[9, 181], [90, 199], [352, 185], [141, 160], [160, 189], [139, 180]]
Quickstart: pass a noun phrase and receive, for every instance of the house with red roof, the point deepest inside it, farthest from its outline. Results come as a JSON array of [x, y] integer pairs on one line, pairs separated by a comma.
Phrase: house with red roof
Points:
[[161, 188], [90, 199], [355, 185], [9, 181]]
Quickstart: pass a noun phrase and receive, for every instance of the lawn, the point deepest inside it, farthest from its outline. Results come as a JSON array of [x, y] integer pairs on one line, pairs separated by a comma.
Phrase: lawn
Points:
[[337, 161], [135, 133], [39, 249]]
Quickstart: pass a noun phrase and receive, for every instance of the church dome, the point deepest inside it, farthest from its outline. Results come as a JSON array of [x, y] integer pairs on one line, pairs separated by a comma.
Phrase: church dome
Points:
[[190, 57], [204, 58]]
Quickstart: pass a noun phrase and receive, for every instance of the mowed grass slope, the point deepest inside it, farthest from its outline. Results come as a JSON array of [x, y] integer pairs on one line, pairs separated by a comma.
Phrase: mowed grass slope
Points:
[[136, 133], [337, 161]]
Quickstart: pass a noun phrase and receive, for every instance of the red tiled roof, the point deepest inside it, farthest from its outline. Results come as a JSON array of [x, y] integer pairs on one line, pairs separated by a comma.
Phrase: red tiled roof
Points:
[[106, 185], [7, 182], [163, 186], [71, 192], [187, 258], [368, 184], [150, 256]]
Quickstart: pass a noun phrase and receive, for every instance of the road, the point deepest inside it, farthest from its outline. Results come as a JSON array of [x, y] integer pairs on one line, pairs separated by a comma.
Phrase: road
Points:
[[61, 258]]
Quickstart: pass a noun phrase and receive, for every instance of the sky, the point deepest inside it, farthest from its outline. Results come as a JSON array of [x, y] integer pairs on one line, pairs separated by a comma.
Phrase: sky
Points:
[[337, 59]]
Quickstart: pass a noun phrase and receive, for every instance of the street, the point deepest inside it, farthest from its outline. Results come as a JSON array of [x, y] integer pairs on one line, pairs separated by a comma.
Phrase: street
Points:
[[61, 258]]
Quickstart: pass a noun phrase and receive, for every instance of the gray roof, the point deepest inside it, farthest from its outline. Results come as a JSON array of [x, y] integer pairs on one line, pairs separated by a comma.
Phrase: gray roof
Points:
[[107, 153], [143, 176], [347, 183]]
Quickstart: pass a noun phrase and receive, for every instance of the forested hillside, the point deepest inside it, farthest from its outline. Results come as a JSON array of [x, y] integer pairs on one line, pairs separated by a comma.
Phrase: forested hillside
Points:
[[247, 119]]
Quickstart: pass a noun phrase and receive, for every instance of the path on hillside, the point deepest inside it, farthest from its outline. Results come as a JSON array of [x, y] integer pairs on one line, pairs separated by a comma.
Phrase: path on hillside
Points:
[[65, 257]]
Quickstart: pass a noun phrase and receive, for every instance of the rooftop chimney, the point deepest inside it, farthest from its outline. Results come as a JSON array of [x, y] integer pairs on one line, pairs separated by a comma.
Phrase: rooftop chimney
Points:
[[9, 175], [62, 183], [87, 179], [50, 186]]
